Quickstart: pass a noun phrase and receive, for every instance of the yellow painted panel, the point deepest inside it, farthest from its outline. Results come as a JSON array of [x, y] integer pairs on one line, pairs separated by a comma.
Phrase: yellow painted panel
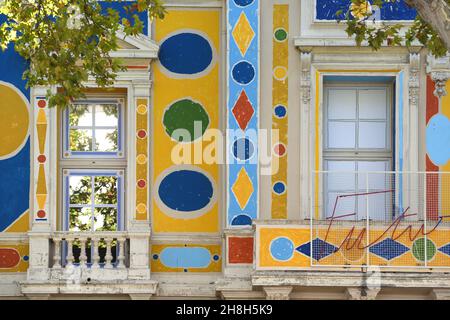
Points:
[[14, 257], [22, 224]]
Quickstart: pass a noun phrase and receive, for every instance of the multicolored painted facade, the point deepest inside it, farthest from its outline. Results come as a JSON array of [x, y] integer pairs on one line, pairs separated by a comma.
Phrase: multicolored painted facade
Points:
[[226, 73]]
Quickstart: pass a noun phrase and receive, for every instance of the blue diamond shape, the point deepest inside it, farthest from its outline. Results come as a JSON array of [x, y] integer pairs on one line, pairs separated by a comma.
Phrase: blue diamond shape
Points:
[[388, 249], [321, 249], [445, 249]]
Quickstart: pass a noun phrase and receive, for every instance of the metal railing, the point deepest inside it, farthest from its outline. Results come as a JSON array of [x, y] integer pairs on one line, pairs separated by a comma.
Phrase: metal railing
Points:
[[382, 219]]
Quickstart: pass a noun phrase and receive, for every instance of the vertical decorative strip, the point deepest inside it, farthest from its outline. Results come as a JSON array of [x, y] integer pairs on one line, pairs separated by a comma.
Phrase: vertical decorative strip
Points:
[[243, 111], [401, 86], [317, 149], [142, 159], [280, 97], [41, 114], [432, 179]]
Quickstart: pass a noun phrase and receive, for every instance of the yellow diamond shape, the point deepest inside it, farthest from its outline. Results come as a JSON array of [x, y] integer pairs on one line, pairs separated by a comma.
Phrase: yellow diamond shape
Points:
[[243, 188], [243, 34]]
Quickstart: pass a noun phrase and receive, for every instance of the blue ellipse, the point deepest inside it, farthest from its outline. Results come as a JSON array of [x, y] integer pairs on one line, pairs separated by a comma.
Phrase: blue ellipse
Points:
[[243, 149], [243, 3], [185, 257], [186, 190], [279, 187], [280, 111], [186, 54], [438, 139], [241, 220], [282, 249], [243, 72]]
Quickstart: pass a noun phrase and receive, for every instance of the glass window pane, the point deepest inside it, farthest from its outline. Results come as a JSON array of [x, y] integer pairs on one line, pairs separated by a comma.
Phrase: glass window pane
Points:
[[372, 135], [80, 140], [80, 189], [105, 219], [106, 140], [105, 190], [373, 104], [378, 207], [106, 115], [338, 181], [344, 206], [80, 219], [341, 135], [341, 104], [80, 115], [377, 181]]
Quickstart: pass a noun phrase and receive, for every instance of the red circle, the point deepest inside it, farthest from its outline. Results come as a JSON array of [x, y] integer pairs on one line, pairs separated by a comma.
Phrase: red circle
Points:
[[280, 150], [41, 214], [141, 184], [42, 103], [42, 158], [142, 134]]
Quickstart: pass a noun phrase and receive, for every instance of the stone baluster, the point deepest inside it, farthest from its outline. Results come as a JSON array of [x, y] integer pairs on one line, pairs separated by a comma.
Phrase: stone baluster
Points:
[[57, 253], [121, 250], [83, 256], [70, 256], [96, 257], [108, 256]]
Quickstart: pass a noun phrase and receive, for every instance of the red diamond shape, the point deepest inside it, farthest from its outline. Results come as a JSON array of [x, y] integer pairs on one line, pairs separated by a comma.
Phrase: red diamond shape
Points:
[[243, 111]]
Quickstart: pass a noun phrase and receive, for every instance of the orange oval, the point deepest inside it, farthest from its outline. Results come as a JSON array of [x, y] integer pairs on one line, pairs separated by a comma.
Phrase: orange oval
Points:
[[9, 258]]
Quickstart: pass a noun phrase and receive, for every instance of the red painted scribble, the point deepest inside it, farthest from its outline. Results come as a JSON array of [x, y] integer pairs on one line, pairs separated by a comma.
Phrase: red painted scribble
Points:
[[349, 244]]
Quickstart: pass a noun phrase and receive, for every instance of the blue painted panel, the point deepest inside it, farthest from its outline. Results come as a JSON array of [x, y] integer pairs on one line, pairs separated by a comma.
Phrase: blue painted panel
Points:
[[326, 10], [180, 48], [119, 6], [186, 257], [14, 187], [186, 191]]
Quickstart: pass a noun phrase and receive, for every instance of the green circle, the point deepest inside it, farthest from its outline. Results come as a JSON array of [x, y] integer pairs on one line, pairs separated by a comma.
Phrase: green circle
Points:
[[186, 115], [418, 249], [281, 34]]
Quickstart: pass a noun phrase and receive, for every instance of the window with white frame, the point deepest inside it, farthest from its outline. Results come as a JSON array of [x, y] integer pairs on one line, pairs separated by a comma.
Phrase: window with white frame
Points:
[[93, 165], [358, 151]]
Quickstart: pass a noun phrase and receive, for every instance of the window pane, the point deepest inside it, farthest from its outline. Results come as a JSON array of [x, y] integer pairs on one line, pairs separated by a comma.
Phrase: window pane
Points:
[[80, 219], [372, 135], [80, 140], [338, 181], [341, 135], [341, 104], [106, 115], [344, 206], [105, 190], [377, 181], [80, 190], [105, 219], [106, 140], [80, 115], [378, 207], [372, 104]]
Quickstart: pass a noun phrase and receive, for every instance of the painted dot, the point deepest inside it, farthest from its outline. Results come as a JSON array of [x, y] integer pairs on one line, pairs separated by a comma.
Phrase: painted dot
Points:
[[243, 3], [216, 257], [186, 191], [243, 149], [279, 188], [280, 111], [142, 183], [155, 257], [141, 159], [141, 208], [26, 258], [142, 134], [14, 121], [142, 109], [279, 149], [42, 158], [185, 270], [41, 214], [243, 72], [280, 34], [42, 104], [186, 54], [418, 249], [186, 120], [280, 73], [282, 249]]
